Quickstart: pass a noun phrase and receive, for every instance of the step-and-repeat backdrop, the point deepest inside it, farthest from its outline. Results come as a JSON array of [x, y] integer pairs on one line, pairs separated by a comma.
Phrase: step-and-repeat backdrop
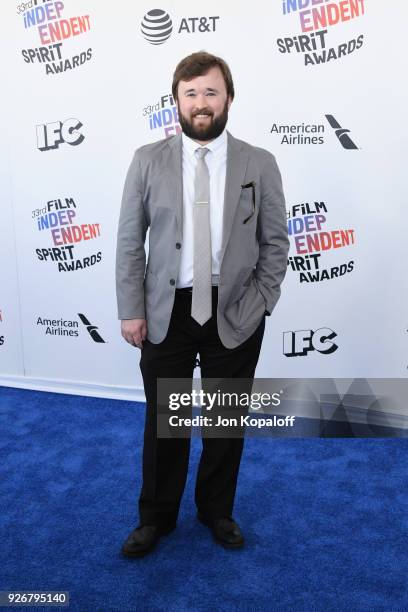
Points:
[[318, 83]]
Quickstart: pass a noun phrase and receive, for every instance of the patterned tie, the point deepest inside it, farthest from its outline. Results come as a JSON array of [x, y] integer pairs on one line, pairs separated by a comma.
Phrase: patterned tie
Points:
[[201, 299]]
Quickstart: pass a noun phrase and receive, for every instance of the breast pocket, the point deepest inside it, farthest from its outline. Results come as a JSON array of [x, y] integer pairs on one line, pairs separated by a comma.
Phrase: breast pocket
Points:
[[248, 204]]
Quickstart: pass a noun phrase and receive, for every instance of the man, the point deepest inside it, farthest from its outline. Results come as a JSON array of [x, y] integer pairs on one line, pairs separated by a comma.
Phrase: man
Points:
[[218, 249]]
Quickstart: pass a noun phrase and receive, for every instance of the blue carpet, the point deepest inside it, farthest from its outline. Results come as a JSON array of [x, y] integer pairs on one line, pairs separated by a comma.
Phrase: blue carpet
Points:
[[325, 520]]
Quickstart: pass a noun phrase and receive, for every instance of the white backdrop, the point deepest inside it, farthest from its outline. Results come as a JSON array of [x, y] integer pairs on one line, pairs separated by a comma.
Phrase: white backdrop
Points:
[[108, 94]]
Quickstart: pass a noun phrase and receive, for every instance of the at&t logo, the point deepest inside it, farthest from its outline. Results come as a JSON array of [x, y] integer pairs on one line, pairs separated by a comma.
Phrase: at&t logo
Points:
[[157, 26]]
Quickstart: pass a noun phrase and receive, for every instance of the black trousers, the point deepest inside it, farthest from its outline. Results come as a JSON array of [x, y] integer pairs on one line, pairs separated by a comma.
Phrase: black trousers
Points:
[[165, 460]]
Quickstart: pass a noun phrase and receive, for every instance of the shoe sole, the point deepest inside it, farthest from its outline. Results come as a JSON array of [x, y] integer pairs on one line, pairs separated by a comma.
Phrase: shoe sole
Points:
[[133, 555], [221, 542]]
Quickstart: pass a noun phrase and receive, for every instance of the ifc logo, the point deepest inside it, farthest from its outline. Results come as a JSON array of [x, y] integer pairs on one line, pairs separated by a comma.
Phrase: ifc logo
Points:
[[157, 26]]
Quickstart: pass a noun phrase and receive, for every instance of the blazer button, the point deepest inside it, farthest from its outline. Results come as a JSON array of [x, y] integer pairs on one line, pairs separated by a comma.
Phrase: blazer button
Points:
[[172, 281], [178, 245]]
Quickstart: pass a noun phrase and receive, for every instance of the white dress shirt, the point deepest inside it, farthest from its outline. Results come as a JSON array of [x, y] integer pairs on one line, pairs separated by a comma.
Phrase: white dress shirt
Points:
[[216, 160]]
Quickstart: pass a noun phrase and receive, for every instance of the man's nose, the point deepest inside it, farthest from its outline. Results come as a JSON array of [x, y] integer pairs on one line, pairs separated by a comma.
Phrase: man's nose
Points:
[[201, 101]]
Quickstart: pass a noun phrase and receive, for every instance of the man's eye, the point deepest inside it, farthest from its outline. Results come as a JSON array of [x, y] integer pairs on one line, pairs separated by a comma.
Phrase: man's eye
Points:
[[210, 93], [189, 95]]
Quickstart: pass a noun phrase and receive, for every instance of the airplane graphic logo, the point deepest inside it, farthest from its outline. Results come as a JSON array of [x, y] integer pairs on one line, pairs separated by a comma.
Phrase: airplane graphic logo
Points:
[[92, 329], [341, 133]]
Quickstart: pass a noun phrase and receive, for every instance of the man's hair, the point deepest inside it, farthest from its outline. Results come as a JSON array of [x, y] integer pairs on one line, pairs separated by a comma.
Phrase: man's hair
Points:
[[198, 64]]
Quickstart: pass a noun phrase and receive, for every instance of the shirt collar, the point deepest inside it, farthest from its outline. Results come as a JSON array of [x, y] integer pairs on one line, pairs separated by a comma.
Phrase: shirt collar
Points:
[[214, 146]]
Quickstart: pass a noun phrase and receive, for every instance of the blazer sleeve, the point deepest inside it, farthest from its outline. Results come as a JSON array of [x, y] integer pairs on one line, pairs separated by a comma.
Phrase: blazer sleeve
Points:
[[272, 234], [130, 251]]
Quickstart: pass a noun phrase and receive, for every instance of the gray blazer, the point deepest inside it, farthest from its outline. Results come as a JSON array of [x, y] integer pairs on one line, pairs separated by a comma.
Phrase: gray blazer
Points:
[[254, 246]]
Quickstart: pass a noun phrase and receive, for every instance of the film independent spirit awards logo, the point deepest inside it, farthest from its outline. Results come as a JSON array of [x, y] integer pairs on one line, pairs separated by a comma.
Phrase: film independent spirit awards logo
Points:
[[157, 26], [58, 221], [54, 31], [162, 116], [315, 245], [316, 19]]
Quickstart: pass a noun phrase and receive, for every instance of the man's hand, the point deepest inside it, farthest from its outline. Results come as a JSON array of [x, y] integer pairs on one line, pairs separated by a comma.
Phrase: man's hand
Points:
[[134, 331]]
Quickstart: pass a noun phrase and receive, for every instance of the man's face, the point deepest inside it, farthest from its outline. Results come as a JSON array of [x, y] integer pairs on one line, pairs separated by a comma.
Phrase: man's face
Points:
[[203, 106]]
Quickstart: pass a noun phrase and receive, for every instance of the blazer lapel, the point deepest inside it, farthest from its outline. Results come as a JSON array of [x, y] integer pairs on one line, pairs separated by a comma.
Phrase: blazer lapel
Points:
[[173, 176], [237, 162]]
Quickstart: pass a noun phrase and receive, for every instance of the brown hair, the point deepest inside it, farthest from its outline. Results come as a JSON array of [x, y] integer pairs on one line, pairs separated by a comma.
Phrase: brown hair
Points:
[[198, 64]]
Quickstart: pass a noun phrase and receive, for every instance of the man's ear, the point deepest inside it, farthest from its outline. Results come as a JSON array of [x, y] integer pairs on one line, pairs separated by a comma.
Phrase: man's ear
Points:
[[229, 102]]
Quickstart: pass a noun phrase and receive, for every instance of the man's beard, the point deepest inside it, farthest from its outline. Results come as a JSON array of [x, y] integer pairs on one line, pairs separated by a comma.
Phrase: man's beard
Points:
[[214, 128]]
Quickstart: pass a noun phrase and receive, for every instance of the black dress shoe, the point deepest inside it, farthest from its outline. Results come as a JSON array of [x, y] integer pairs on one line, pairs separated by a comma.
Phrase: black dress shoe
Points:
[[225, 531], [143, 539]]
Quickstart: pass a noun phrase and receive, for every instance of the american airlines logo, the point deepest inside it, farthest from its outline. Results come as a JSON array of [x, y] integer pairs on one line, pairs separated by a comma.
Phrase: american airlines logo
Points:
[[69, 328], [312, 133]]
